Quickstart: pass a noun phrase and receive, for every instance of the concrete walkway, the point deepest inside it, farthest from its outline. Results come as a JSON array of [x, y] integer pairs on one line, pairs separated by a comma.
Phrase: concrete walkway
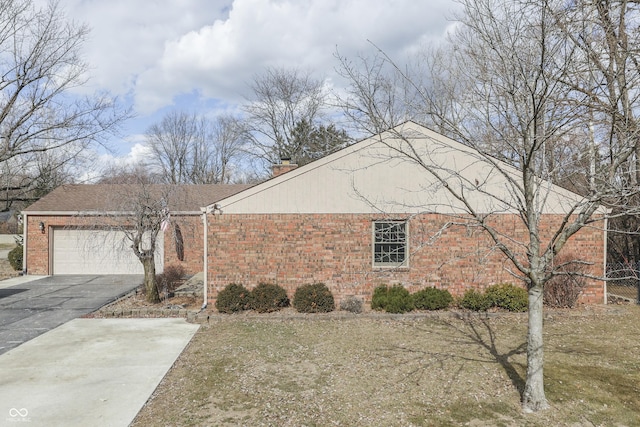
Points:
[[89, 372]]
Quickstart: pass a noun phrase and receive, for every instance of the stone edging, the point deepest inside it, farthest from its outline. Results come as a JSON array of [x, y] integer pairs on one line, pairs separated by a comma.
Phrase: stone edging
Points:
[[198, 316], [144, 312]]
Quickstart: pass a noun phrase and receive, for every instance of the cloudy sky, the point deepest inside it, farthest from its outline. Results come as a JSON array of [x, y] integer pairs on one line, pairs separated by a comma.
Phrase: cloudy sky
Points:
[[199, 55]]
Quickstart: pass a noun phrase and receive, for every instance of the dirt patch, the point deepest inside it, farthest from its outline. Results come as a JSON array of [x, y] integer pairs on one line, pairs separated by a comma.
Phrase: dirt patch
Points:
[[135, 305]]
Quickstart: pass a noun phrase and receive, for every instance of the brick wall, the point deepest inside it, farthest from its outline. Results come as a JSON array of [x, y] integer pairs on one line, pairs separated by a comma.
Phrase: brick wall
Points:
[[192, 231], [291, 250], [38, 243]]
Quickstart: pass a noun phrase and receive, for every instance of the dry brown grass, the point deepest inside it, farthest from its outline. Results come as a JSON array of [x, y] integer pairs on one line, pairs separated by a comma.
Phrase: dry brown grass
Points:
[[6, 271], [386, 370], [629, 292]]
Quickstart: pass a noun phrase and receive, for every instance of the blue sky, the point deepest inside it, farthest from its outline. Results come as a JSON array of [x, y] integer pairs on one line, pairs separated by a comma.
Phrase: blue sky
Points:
[[199, 55]]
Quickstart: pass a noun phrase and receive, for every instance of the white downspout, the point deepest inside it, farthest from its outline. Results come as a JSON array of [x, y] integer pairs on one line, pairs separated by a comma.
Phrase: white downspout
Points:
[[205, 273], [24, 244]]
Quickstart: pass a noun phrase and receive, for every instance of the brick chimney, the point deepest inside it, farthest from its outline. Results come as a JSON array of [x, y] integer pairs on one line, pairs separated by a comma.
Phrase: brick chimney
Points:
[[284, 167]]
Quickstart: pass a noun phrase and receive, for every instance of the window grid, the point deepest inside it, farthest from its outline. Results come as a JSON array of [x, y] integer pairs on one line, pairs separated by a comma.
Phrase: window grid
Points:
[[389, 243]]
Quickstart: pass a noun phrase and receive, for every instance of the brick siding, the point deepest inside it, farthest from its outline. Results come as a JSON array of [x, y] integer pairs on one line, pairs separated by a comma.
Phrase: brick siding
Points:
[[39, 246], [336, 249], [192, 231]]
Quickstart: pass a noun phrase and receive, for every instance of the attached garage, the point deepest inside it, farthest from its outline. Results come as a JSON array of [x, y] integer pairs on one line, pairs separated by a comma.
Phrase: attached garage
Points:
[[77, 251], [70, 230]]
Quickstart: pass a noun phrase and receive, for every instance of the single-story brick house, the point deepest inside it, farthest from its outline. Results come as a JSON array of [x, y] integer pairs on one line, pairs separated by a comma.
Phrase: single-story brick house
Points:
[[366, 215], [69, 231]]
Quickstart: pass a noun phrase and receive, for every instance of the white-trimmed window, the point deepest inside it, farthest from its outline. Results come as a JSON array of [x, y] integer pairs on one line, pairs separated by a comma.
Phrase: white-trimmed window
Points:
[[390, 243]]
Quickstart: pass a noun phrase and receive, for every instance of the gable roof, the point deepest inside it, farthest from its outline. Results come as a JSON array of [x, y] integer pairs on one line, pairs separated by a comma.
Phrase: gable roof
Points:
[[76, 198], [371, 176]]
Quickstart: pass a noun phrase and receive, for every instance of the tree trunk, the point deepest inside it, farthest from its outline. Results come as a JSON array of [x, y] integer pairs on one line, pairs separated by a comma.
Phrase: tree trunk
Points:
[[533, 398], [150, 279]]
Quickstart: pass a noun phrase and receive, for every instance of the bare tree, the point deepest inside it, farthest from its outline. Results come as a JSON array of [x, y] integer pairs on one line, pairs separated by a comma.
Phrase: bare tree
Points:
[[606, 75], [149, 213], [27, 178], [171, 142], [128, 174], [287, 105], [139, 211], [520, 86], [40, 65], [218, 161], [190, 149]]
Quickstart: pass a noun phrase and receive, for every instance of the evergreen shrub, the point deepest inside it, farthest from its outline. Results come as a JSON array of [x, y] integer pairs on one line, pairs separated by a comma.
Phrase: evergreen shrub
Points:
[[508, 297], [233, 298], [395, 299], [474, 300], [432, 299], [15, 257], [316, 298], [267, 297]]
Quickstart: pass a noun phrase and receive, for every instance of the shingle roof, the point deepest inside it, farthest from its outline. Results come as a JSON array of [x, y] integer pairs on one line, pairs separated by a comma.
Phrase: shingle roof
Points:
[[103, 197]]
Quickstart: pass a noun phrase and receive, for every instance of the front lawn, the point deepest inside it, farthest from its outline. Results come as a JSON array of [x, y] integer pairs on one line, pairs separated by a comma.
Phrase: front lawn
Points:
[[386, 370]]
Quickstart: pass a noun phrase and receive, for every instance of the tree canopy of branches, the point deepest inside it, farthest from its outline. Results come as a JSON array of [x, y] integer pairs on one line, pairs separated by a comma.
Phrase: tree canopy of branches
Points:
[[139, 212], [607, 78], [545, 87], [41, 66], [136, 173], [190, 149], [285, 118]]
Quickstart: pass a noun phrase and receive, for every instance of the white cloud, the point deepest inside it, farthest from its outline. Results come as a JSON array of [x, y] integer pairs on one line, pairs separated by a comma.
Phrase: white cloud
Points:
[[128, 37], [201, 54], [139, 153], [159, 50]]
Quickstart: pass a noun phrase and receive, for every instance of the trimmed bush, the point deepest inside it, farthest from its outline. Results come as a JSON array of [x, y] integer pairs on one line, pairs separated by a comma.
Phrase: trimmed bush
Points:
[[351, 304], [395, 299], [316, 298], [267, 297], [432, 299], [508, 296], [379, 297], [15, 258], [564, 289], [233, 298], [474, 300], [169, 280]]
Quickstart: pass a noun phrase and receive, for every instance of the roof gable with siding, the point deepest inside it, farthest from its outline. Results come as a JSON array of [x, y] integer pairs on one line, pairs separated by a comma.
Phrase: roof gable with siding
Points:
[[372, 177]]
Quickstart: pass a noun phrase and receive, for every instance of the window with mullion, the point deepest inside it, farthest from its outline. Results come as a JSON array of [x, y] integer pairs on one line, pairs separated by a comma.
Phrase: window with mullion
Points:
[[389, 243]]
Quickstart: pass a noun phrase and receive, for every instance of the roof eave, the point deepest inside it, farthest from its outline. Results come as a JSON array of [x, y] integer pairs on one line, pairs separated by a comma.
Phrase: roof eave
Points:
[[100, 213]]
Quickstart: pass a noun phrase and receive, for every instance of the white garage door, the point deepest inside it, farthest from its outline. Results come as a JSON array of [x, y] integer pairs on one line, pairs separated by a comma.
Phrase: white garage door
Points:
[[98, 252]]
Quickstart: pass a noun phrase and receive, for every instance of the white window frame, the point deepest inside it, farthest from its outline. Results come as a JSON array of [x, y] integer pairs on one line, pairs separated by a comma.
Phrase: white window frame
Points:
[[377, 245]]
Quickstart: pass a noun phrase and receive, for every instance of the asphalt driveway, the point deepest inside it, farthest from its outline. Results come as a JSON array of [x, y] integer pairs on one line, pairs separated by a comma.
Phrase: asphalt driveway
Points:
[[31, 308]]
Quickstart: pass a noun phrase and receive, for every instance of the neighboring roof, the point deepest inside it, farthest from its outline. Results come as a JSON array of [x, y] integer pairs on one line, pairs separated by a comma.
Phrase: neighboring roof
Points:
[[371, 176], [8, 216], [103, 197]]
